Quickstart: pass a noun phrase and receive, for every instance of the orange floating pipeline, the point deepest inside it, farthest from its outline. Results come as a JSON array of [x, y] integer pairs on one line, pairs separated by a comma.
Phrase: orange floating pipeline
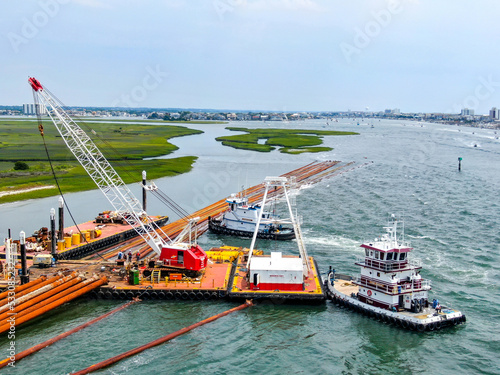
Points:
[[46, 343], [159, 341]]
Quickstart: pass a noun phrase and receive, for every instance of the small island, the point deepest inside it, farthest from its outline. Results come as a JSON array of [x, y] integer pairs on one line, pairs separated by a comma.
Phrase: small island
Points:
[[290, 141], [26, 172]]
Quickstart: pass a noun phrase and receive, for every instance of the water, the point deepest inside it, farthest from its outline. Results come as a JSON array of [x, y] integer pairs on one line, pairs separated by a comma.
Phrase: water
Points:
[[451, 220]]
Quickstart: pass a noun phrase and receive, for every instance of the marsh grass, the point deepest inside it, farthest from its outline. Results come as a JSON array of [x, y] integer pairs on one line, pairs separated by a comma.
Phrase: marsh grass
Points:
[[125, 147], [291, 141]]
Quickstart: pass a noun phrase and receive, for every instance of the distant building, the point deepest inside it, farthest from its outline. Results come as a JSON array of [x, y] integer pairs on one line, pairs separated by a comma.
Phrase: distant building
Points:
[[467, 112], [394, 111], [494, 113], [30, 109]]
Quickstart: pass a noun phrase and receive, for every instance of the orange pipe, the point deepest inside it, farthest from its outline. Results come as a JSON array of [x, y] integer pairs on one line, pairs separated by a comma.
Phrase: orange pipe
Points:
[[65, 292], [39, 298], [43, 289], [159, 341], [20, 288], [312, 173], [33, 287], [46, 343], [60, 301]]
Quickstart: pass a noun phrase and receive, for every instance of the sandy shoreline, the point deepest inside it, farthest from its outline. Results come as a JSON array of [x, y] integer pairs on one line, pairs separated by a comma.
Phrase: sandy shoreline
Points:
[[4, 193]]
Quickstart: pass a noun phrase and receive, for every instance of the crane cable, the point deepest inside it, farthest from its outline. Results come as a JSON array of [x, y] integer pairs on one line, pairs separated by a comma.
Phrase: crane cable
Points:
[[40, 129]]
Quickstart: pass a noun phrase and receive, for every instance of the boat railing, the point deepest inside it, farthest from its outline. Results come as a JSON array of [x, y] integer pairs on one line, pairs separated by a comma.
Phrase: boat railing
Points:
[[393, 289], [383, 265], [375, 285], [426, 284], [415, 262]]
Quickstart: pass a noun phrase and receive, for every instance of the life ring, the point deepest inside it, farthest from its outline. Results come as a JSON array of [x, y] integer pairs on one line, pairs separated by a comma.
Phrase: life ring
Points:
[[369, 293]]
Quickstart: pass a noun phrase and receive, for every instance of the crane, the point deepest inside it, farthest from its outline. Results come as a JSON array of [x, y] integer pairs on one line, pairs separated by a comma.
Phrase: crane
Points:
[[176, 253]]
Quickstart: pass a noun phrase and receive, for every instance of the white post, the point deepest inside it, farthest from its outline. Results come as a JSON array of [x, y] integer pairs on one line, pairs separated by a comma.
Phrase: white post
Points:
[[255, 232], [298, 235], [8, 259]]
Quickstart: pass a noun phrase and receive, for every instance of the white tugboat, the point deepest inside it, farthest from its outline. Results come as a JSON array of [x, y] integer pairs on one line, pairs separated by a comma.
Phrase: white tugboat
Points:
[[390, 287], [241, 218]]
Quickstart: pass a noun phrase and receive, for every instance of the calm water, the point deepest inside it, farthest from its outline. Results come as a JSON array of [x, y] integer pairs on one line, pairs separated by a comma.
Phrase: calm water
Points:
[[451, 220]]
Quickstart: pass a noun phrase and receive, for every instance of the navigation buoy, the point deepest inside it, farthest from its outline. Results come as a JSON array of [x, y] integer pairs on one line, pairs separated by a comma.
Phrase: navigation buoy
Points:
[[459, 164]]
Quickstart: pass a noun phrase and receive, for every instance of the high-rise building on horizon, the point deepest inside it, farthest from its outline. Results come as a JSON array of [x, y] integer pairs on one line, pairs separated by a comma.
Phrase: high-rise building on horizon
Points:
[[494, 115], [30, 109], [467, 112]]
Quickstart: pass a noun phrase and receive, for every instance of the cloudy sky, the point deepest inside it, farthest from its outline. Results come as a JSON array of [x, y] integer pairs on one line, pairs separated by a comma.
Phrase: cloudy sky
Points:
[[280, 55]]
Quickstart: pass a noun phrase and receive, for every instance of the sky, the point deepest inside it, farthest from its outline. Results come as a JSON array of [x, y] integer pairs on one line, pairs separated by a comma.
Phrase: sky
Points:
[[273, 55]]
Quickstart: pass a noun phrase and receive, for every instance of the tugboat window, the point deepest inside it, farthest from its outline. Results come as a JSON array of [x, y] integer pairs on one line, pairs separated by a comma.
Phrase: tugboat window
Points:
[[376, 254], [402, 256], [389, 256], [382, 255]]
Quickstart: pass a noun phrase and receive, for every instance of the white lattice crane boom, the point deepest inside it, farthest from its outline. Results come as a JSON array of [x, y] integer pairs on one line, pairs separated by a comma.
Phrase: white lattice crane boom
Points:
[[99, 169]]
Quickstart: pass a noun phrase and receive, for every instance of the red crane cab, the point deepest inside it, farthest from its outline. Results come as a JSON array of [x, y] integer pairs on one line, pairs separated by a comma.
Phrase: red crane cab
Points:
[[187, 256]]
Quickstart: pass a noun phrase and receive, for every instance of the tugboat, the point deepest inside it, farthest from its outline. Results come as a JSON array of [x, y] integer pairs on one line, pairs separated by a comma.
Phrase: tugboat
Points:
[[390, 287], [241, 218]]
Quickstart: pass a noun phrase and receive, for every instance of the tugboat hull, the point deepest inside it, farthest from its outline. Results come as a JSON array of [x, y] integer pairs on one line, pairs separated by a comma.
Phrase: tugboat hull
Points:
[[426, 320], [215, 226]]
